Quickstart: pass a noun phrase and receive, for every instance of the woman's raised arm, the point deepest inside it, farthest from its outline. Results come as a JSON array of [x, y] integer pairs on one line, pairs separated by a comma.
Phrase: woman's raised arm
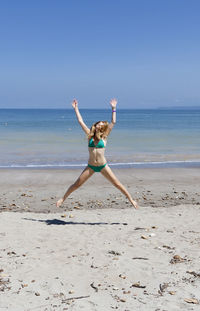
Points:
[[113, 104], [79, 117]]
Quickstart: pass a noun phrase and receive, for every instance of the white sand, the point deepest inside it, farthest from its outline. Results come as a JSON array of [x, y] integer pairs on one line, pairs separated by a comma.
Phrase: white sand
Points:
[[48, 259]]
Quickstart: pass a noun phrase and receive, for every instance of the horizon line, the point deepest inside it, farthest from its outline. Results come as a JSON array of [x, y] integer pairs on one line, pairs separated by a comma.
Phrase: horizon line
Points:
[[126, 108]]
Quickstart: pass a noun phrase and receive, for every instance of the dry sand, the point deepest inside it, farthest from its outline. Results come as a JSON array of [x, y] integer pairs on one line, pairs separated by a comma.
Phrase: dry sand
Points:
[[97, 252]]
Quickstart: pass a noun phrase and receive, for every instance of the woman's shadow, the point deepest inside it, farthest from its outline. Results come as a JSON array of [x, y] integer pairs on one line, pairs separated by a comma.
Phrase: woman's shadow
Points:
[[62, 222]]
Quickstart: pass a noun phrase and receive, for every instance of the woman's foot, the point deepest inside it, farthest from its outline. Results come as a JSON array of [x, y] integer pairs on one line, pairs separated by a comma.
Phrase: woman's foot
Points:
[[59, 202], [134, 203]]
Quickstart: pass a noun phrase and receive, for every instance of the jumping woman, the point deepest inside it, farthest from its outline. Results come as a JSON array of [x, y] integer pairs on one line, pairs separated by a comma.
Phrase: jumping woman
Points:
[[97, 139]]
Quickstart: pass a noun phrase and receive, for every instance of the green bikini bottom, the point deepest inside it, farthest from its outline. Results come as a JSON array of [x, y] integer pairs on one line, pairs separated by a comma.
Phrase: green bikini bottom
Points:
[[97, 168]]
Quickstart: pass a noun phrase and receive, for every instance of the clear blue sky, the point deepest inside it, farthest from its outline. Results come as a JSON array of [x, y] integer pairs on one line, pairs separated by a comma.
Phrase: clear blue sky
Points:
[[146, 53]]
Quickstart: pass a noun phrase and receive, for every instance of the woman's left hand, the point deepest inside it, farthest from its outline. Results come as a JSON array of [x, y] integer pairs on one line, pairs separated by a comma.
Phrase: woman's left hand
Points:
[[75, 103], [113, 103]]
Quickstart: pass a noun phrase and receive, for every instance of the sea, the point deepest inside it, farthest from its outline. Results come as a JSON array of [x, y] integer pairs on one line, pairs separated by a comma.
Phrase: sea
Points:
[[52, 138]]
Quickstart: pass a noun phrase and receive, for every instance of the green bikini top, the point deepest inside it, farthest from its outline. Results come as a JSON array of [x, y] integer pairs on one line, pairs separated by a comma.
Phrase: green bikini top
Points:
[[99, 145]]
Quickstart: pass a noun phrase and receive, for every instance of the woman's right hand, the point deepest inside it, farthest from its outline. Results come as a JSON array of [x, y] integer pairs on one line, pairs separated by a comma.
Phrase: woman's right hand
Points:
[[75, 103]]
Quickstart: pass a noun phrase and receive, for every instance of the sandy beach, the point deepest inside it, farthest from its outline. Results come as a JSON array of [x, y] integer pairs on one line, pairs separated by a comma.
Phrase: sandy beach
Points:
[[97, 252]]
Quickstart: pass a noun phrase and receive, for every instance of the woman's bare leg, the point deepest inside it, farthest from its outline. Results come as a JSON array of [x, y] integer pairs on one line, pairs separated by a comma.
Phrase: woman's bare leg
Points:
[[107, 172], [87, 173]]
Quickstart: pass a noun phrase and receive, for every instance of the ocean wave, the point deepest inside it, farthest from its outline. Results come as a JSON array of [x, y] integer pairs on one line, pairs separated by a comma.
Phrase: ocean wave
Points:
[[175, 163]]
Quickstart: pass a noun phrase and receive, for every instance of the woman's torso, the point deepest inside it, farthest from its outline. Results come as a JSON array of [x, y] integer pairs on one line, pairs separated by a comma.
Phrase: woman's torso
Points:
[[96, 151]]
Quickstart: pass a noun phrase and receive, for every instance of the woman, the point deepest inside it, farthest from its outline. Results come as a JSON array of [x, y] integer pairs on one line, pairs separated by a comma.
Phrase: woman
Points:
[[97, 139]]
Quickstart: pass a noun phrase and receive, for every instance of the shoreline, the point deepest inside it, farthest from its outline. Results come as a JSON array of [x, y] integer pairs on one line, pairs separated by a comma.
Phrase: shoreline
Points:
[[189, 163]]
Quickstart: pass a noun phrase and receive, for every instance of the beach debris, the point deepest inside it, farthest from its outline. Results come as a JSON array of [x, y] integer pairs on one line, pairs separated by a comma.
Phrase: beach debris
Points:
[[162, 288], [126, 292], [79, 203], [138, 285], [177, 259], [168, 247], [71, 216], [122, 276], [37, 294], [94, 287], [191, 300], [64, 215], [11, 253], [195, 274], [76, 207], [24, 285], [3, 284], [144, 237], [114, 253], [71, 292], [73, 298], [94, 267], [27, 195], [119, 299], [122, 300], [172, 292], [140, 258]]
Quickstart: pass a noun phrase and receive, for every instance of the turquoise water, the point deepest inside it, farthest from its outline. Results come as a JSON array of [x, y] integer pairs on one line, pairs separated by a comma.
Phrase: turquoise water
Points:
[[53, 138]]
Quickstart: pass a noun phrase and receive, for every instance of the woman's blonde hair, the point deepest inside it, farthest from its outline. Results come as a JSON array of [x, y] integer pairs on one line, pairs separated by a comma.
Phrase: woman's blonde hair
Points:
[[101, 133]]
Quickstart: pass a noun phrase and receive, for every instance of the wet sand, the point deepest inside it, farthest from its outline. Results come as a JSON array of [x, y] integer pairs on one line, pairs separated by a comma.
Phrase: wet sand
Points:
[[38, 190]]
